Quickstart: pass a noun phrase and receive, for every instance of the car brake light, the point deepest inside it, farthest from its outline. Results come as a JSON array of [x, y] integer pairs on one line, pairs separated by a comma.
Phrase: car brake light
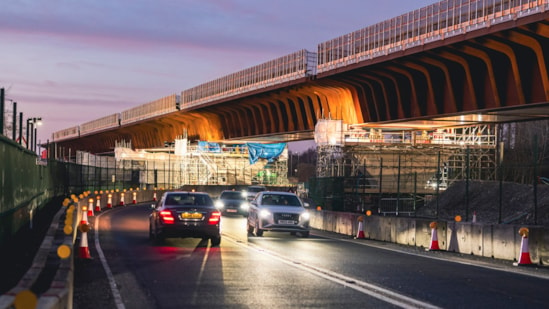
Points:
[[215, 217], [167, 217]]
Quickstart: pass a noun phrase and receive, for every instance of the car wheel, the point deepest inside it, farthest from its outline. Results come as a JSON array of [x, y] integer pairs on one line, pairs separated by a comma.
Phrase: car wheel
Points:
[[215, 241], [305, 234], [157, 237], [151, 235], [258, 231], [250, 229]]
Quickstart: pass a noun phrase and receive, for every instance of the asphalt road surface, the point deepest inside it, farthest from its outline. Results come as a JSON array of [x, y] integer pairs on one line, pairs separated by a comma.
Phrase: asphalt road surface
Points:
[[278, 270]]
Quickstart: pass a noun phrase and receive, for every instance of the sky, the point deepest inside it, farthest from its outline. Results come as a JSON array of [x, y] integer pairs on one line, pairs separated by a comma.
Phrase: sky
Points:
[[70, 62]]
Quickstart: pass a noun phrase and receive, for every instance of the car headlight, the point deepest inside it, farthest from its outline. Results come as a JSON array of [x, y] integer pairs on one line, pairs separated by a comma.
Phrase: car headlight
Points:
[[244, 194], [305, 216], [245, 206], [219, 205], [264, 213]]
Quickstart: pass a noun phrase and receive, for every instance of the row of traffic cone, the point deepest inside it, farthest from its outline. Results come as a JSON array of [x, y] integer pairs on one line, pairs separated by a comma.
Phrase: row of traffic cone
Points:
[[91, 210], [524, 258], [109, 203], [84, 227]]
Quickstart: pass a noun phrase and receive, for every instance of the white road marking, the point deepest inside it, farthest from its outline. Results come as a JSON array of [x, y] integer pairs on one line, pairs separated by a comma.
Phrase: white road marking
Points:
[[454, 259], [356, 284], [199, 279], [114, 289]]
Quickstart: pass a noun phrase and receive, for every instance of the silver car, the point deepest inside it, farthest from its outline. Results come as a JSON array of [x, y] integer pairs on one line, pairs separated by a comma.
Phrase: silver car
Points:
[[278, 212]]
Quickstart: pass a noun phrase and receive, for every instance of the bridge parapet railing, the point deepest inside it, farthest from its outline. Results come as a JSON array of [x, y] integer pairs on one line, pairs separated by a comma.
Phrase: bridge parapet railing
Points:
[[102, 123], [148, 110], [297, 65], [431, 23]]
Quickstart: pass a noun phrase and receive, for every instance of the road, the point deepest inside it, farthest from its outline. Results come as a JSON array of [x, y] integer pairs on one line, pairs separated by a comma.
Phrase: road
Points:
[[278, 270]]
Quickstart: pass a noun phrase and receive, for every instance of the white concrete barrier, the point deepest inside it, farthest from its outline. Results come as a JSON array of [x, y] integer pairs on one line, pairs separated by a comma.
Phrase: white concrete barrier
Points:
[[499, 241]]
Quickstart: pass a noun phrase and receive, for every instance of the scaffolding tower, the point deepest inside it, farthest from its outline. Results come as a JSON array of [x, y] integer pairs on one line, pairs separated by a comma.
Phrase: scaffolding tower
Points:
[[180, 163], [406, 161]]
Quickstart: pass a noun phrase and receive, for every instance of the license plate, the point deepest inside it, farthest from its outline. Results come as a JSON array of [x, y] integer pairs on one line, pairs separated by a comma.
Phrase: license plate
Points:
[[286, 222], [231, 210], [191, 215]]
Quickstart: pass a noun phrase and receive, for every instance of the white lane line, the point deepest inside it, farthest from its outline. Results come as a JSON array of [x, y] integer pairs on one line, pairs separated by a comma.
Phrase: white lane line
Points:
[[114, 289], [199, 279], [447, 259], [375, 291]]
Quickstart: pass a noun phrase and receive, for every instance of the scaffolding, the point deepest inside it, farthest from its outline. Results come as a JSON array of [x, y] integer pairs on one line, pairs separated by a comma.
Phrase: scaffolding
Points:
[[374, 161], [180, 163]]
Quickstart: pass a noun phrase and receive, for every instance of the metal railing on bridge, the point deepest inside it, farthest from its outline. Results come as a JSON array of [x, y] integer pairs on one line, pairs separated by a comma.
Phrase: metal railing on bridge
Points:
[[287, 68], [431, 23]]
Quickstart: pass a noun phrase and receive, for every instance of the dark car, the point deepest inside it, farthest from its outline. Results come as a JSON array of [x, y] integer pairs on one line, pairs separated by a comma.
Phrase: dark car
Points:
[[185, 214], [251, 191], [278, 212], [232, 202]]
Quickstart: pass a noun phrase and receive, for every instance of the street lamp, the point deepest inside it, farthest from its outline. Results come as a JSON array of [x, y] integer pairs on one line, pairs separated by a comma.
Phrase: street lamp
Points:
[[32, 124]]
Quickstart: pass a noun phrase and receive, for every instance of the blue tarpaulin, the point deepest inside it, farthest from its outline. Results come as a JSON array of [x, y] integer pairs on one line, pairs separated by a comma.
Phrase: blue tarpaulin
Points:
[[264, 151], [208, 147]]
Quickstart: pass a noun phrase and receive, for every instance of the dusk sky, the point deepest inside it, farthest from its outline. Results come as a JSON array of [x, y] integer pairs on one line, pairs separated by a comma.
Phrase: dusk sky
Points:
[[70, 62]]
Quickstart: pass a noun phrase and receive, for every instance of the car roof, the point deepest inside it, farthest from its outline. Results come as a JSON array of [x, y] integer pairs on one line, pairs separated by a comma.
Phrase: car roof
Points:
[[232, 193], [185, 192], [277, 193]]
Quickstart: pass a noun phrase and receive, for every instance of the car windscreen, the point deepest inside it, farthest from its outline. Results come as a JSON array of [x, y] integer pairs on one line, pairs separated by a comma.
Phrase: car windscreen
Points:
[[191, 199], [232, 195], [279, 199], [256, 189]]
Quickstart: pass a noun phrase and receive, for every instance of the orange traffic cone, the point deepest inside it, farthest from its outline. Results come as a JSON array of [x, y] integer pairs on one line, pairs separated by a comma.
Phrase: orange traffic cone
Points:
[[84, 251], [524, 253], [154, 196], [90, 208], [98, 204], [84, 219], [360, 233], [122, 199], [134, 201], [434, 237], [109, 201]]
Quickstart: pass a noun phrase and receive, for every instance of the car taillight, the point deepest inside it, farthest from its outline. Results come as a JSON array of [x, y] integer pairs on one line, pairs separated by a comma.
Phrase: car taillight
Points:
[[215, 217], [166, 217]]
